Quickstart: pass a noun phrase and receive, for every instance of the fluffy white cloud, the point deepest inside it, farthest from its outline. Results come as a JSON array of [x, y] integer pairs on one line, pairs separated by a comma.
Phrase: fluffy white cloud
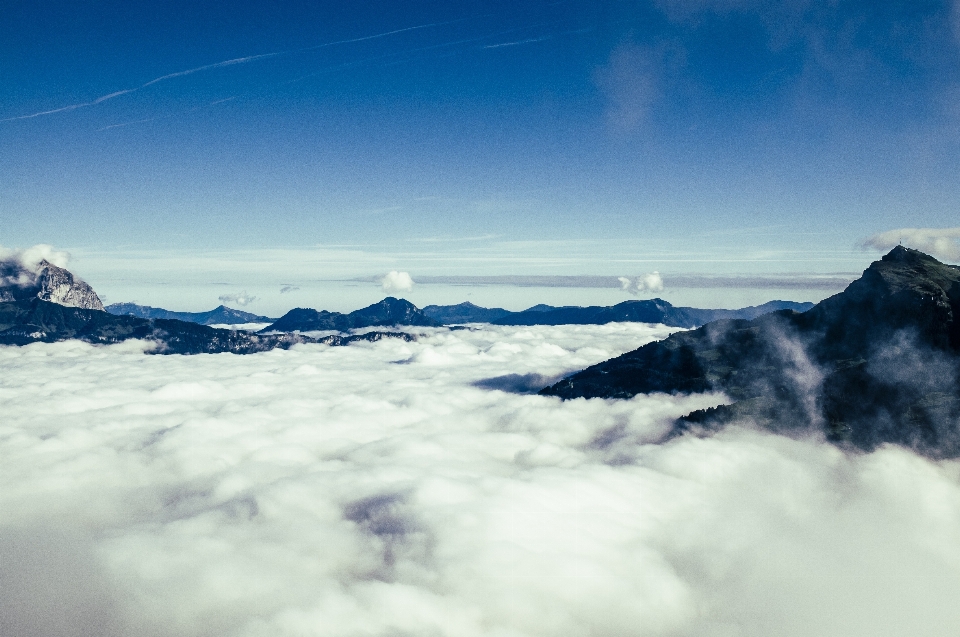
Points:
[[31, 257], [376, 489], [943, 243], [652, 282], [396, 282], [241, 298]]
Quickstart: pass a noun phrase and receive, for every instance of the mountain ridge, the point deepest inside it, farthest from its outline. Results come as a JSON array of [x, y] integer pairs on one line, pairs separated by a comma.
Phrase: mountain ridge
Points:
[[877, 363], [221, 315], [643, 311], [390, 311]]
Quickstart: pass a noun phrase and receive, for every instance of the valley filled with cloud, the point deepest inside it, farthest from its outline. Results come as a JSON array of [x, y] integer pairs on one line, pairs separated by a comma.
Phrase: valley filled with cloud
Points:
[[393, 488]]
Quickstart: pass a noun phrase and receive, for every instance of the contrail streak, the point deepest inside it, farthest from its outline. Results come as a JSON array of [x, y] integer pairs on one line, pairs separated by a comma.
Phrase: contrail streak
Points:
[[383, 35], [243, 60], [408, 53], [217, 65], [528, 41], [71, 107]]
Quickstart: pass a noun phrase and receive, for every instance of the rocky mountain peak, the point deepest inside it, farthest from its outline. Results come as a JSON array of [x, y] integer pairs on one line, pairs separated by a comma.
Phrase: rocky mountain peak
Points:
[[58, 285], [47, 282]]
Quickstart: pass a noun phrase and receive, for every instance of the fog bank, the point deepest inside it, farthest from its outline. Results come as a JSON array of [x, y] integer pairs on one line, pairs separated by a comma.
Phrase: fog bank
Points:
[[390, 489]]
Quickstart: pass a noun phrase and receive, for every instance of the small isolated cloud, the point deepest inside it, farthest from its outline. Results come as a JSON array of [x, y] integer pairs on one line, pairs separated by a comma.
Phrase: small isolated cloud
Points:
[[241, 298], [943, 243], [396, 282], [652, 282], [288, 288]]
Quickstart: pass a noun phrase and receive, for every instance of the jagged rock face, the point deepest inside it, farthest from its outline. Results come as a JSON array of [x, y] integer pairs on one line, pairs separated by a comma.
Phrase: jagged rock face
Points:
[[60, 286], [48, 282]]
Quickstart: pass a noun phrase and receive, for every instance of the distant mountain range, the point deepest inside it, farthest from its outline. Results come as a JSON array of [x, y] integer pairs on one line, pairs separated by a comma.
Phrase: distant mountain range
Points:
[[222, 315], [877, 363], [646, 311], [392, 311], [48, 303], [35, 320]]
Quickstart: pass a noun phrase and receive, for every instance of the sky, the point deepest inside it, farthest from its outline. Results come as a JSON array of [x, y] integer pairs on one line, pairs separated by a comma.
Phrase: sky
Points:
[[389, 489], [477, 138]]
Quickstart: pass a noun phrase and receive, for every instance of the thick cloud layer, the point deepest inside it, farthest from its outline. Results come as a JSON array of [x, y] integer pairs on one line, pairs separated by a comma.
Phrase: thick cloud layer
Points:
[[386, 489]]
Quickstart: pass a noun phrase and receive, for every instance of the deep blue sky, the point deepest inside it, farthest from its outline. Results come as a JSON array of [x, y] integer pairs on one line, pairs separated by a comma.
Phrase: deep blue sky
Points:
[[724, 127]]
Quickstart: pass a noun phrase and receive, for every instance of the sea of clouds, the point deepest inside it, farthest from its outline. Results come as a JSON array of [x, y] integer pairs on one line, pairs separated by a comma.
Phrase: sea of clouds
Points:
[[388, 489]]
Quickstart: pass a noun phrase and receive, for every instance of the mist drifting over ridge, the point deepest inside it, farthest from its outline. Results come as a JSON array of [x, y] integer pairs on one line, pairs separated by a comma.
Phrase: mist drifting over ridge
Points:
[[377, 490]]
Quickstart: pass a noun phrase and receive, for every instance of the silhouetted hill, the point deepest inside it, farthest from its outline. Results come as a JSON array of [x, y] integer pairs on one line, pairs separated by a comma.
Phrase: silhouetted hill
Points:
[[221, 315], [879, 362], [464, 313], [388, 312]]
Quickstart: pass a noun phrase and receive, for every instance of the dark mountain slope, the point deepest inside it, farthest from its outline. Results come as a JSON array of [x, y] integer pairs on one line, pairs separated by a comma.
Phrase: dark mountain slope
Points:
[[464, 313], [388, 312], [879, 362]]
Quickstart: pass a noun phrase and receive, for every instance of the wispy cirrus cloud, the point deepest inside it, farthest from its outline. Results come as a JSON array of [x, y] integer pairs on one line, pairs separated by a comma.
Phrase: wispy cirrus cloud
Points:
[[631, 82], [219, 65], [162, 78]]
